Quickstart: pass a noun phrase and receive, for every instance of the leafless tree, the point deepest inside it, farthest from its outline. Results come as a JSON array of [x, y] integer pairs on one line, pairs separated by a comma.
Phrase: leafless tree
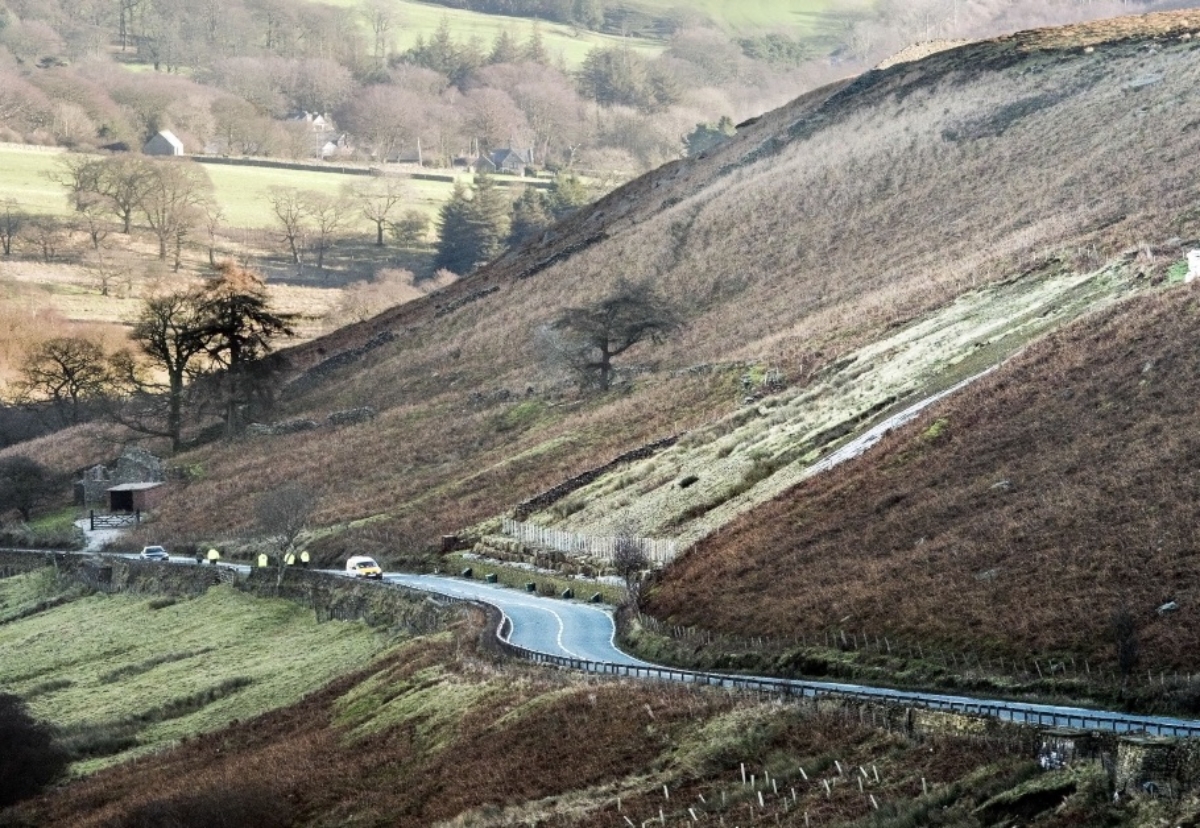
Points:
[[377, 203], [291, 209], [67, 372], [630, 561], [283, 513], [46, 234], [12, 218], [329, 214], [173, 202]]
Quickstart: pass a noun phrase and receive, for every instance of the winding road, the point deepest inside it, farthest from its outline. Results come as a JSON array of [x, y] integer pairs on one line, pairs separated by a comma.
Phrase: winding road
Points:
[[582, 636]]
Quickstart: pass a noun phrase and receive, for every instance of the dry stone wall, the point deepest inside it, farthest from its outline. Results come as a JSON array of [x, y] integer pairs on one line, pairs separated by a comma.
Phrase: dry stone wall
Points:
[[550, 496]]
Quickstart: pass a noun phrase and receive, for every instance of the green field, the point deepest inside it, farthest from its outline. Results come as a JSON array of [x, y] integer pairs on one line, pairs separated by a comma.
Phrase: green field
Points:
[[421, 19], [126, 667], [797, 17], [242, 192], [24, 176]]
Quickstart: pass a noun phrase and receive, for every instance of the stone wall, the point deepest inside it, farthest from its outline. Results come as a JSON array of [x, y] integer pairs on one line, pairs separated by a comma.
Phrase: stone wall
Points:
[[334, 597], [550, 496], [315, 375], [1153, 766]]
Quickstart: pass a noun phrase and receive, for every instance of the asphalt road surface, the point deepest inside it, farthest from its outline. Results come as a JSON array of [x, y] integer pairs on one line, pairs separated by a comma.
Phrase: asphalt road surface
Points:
[[545, 625]]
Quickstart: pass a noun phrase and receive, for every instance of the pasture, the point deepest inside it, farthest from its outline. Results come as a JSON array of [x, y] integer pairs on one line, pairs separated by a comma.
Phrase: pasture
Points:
[[744, 17], [568, 42], [149, 671]]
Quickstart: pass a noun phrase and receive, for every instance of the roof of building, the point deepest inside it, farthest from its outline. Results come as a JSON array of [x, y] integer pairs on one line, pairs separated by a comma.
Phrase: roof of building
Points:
[[133, 487]]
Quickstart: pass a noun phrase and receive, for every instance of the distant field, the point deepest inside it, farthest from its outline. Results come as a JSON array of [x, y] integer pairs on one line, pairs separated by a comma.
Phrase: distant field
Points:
[[241, 191], [152, 675], [24, 174], [749, 16], [420, 19]]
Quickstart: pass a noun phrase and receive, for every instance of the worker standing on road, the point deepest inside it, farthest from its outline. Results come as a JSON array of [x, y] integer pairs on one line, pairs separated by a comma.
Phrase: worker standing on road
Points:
[[213, 556]]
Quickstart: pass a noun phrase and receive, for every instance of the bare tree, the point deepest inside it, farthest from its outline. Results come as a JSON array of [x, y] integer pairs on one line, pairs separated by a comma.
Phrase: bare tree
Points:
[[291, 210], [213, 217], [25, 484], [173, 202], [172, 330], [67, 372], [46, 234], [329, 214], [12, 217], [123, 181], [283, 513], [630, 561], [603, 330], [377, 203]]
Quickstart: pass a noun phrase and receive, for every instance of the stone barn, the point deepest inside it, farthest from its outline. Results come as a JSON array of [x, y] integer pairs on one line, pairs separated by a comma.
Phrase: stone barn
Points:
[[164, 143], [135, 497]]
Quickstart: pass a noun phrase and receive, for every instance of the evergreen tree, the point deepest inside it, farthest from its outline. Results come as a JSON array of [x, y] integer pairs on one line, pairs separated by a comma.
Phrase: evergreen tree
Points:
[[619, 76], [589, 13], [504, 49], [566, 195], [531, 215], [535, 47], [706, 136], [474, 226], [454, 228]]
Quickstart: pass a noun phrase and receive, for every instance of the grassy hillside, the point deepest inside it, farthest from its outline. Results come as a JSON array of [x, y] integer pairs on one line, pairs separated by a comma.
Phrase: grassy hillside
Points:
[[855, 211], [126, 675], [439, 733]]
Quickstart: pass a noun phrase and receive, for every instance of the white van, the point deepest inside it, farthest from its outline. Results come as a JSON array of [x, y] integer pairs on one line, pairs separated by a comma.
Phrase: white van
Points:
[[360, 566]]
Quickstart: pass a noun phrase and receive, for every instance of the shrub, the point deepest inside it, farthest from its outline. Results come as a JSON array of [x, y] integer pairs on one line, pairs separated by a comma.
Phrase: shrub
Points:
[[30, 759]]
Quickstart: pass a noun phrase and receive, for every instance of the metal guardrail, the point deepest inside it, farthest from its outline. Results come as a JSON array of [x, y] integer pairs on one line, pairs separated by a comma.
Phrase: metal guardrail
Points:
[[1015, 712]]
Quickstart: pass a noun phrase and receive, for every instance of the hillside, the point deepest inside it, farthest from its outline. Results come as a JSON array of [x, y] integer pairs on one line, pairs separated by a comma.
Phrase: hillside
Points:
[[1011, 521], [855, 211], [439, 731]]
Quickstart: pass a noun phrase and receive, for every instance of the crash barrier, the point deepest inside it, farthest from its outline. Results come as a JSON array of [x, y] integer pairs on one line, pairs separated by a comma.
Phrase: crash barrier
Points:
[[1015, 712]]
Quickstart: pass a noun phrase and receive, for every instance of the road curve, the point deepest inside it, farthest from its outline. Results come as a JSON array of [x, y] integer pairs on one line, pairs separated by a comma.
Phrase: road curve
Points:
[[560, 628], [582, 636]]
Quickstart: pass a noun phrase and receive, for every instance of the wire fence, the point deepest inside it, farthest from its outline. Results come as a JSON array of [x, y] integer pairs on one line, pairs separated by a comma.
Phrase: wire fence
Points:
[[658, 550]]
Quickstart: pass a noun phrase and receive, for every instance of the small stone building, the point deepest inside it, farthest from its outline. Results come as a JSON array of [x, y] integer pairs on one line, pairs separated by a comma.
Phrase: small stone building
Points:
[[135, 465], [164, 143], [135, 497]]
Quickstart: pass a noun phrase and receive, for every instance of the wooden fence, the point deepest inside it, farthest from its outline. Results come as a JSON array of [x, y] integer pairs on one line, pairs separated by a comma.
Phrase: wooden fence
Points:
[[659, 551]]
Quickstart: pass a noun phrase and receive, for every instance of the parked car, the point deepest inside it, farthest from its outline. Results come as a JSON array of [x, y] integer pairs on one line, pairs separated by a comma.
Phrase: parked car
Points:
[[360, 566], [154, 553]]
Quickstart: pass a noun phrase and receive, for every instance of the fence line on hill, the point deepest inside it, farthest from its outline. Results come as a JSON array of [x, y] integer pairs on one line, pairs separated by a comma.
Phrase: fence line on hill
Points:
[[659, 550]]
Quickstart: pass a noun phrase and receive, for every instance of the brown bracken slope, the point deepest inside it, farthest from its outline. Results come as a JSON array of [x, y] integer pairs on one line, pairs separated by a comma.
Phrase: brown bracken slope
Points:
[[1013, 519]]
